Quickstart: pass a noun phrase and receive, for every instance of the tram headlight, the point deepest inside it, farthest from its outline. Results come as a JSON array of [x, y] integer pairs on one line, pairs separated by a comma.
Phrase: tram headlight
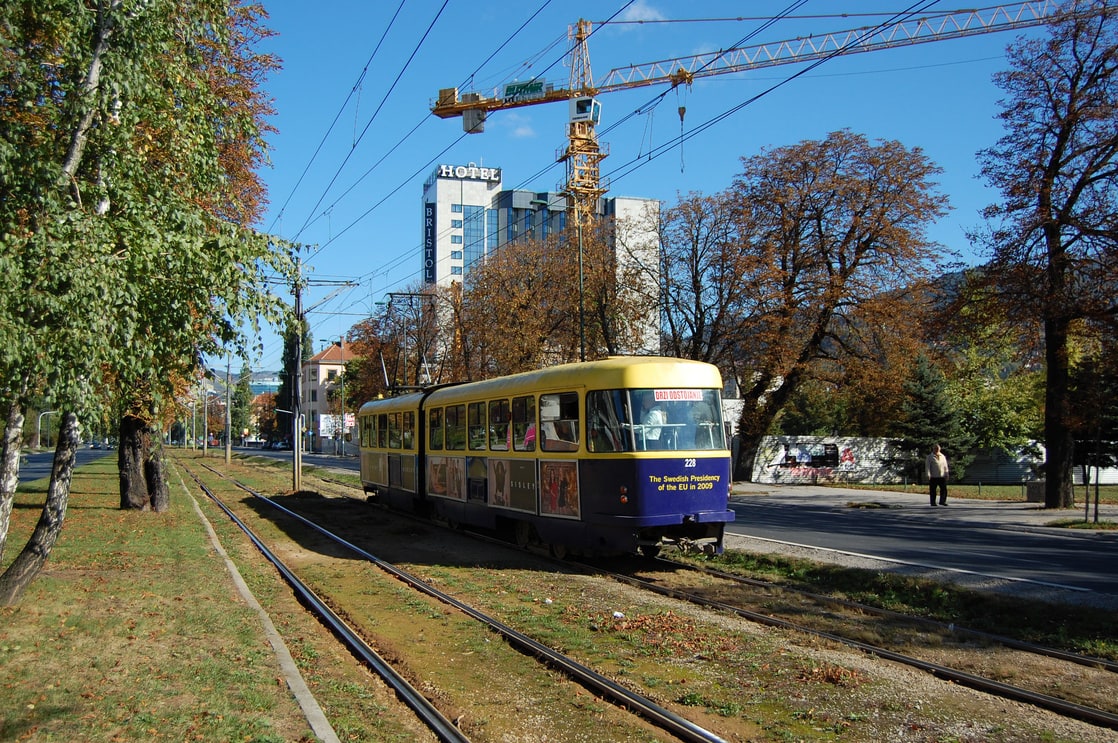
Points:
[[624, 494]]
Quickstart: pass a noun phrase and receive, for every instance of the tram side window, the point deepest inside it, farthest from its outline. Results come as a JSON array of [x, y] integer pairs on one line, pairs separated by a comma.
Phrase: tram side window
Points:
[[408, 430], [559, 422], [435, 429], [476, 413], [393, 430], [499, 435], [456, 427], [382, 431], [364, 430], [524, 423]]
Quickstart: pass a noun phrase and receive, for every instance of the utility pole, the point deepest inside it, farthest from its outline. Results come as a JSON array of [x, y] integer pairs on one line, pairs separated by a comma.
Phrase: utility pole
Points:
[[205, 417], [297, 375], [228, 415], [342, 384]]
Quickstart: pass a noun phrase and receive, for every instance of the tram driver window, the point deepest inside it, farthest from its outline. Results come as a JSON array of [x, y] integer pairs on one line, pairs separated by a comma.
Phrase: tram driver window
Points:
[[605, 411], [559, 422]]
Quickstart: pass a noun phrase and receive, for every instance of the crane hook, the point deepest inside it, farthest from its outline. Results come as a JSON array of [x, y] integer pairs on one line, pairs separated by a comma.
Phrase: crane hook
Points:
[[682, 111]]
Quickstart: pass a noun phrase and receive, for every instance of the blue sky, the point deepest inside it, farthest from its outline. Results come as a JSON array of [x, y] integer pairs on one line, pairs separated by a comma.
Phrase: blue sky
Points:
[[356, 139]]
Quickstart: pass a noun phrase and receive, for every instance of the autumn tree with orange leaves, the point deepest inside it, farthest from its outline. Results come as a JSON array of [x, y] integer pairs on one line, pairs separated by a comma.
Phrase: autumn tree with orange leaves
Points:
[[522, 308], [816, 255]]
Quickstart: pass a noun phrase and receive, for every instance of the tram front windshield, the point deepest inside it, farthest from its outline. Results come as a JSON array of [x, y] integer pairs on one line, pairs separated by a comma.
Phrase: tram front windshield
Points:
[[654, 420]]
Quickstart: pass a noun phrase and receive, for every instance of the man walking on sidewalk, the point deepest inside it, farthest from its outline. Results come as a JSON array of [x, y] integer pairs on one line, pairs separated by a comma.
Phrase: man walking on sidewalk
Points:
[[935, 467]]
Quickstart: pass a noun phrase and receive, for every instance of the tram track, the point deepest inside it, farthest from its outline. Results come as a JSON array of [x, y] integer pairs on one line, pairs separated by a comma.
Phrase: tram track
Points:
[[430, 715], [624, 698], [1097, 716], [318, 508], [1089, 661], [736, 603]]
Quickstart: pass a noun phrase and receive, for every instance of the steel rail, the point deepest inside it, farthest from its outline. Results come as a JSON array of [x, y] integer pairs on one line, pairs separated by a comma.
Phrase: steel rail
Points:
[[442, 727], [1043, 701], [1090, 661], [622, 696]]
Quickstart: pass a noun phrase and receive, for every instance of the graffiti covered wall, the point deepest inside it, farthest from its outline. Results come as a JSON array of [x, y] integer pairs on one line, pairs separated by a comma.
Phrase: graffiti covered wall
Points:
[[811, 459]]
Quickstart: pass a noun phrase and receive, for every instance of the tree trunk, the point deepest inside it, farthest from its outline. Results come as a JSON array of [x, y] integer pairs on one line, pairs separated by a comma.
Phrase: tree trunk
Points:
[[30, 561], [156, 477], [130, 463], [9, 469], [143, 486], [1058, 440]]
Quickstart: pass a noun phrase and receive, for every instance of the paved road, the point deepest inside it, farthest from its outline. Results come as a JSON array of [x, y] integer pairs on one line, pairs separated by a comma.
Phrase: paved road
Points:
[[36, 465], [982, 541]]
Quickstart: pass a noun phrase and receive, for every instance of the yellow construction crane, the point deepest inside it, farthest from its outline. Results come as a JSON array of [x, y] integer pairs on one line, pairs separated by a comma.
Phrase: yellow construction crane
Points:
[[583, 155]]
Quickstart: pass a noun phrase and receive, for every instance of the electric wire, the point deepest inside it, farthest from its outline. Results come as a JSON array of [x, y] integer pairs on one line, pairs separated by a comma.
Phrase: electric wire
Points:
[[630, 167], [634, 165], [369, 123], [423, 168], [421, 121], [337, 117]]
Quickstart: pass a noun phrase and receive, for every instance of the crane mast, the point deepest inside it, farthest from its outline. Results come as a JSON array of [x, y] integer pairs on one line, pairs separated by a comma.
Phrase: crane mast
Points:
[[583, 154]]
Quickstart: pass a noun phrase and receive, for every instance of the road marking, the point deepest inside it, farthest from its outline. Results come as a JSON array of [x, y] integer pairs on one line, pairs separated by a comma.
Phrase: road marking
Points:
[[919, 564]]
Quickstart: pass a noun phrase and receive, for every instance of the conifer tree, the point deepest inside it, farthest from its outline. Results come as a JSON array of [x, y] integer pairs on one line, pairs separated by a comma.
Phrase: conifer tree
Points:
[[929, 416]]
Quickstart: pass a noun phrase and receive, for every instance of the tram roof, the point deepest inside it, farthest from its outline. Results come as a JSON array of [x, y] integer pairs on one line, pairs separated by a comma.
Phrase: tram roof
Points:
[[615, 372]]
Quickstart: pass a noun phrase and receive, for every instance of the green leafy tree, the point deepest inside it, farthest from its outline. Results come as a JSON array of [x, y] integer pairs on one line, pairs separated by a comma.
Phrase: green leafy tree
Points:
[[999, 401], [295, 354], [1053, 237], [122, 227], [242, 404], [1094, 407]]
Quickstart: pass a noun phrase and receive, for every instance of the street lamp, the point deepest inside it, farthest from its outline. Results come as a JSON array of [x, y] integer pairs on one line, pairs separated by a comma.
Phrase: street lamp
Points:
[[39, 428]]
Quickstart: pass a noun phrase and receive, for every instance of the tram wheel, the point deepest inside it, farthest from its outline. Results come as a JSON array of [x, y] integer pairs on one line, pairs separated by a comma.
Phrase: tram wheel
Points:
[[650, 550], [558, 551]]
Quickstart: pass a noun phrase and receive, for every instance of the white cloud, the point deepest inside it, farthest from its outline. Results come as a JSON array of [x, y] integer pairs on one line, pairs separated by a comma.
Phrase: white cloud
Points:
[[641, 11], [517, 125]]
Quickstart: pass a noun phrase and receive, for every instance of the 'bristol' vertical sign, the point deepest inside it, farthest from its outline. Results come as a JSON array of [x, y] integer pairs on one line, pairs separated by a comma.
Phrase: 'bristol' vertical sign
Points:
[[429, 242]]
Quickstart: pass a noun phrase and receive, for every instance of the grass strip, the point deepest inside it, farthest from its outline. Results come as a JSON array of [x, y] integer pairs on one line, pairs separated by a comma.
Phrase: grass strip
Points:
[[133, 631]]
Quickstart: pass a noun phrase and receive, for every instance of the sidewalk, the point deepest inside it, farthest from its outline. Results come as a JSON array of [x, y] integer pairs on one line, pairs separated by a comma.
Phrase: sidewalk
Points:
[[1008, 514]]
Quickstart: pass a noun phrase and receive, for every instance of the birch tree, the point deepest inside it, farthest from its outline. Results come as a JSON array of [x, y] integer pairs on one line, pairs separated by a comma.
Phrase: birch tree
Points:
[[122, 161]]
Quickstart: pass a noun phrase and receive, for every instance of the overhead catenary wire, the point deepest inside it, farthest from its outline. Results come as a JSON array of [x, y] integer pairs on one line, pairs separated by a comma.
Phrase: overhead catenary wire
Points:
[[598, 25], [422, 121], [627, 168], [337, 117], [369, 123], [435, 159]]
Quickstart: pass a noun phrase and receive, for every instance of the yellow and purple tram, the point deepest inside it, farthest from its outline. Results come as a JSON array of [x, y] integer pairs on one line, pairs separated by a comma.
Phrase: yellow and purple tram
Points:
[[620, 455]]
